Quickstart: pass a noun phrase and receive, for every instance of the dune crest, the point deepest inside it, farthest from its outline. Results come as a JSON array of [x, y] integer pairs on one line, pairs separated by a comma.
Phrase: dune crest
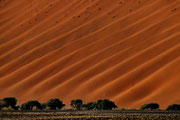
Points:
[[124, 50]]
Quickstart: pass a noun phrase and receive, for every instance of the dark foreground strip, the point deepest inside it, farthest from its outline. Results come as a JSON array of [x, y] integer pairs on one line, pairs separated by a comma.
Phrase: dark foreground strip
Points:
[[94, 111]]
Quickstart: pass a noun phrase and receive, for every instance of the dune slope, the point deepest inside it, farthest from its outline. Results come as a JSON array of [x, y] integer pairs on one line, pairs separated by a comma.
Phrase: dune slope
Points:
[[124, 50]]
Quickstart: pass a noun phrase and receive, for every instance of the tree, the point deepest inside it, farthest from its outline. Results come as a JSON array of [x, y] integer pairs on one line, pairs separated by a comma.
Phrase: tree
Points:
[[90, 105], [16, 107], [55, 103], [173, 107], [99, 105], [9, 101], [150, 106], [30, 104], [76, 103], [83, 107], [1, 104], [105, 105], [44, 105]]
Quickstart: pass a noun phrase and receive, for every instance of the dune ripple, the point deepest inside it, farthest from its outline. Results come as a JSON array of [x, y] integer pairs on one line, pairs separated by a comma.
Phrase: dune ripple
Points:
[[124, 50]]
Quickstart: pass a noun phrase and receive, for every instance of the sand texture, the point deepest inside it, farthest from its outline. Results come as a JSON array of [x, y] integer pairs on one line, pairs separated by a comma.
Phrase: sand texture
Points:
[[125, 50]]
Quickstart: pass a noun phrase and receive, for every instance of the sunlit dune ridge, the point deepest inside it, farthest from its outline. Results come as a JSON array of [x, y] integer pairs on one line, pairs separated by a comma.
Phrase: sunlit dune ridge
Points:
[[125, 50]]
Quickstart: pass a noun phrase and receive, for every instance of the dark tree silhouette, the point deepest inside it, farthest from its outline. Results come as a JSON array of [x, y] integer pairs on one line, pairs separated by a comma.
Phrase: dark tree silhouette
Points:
[[105, 105], [90, 105], [55, 104], [9, 101], [30, 104], [100, 105], [76, 103], [150, 106], [173, 107], [44, 105]]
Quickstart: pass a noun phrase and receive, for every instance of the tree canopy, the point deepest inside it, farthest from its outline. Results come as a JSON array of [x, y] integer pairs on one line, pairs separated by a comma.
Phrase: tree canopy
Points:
[[30, 104], [100, 105], [150, 106], [9, 101], [105, 105], [76, 103], [55, 103], [173, 107]]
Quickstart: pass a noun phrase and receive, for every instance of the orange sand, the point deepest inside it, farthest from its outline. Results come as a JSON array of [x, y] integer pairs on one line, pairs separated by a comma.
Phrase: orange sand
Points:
[[124, 50]]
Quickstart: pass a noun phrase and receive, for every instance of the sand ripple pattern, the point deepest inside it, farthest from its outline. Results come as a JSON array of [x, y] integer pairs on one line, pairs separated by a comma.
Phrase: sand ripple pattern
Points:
[[124, 50]]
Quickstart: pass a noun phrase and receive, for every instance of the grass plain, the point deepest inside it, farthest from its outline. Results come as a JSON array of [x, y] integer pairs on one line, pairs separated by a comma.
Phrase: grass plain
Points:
[[90, 115]]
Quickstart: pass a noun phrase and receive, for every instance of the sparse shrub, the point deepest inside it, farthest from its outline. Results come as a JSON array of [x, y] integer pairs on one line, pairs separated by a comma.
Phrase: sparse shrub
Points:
[[173, 107], [47, 108], [76, 104], [30, 104], [7, 108], [55, 104], [119, 108], [150, 106], [35, 108], [133, 109]]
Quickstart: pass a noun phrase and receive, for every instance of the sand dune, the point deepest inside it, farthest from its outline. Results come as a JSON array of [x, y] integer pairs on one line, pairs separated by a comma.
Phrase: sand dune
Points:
[[124, 50]]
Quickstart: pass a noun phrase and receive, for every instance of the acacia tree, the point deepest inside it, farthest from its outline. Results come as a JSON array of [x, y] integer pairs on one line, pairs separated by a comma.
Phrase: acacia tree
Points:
[[9, 102], [173, 107], [1, 104], [30, 104], [90, 105], [105, 105], [100, 105], [151, 106], [55, 103], [76, 103], [44, 105]]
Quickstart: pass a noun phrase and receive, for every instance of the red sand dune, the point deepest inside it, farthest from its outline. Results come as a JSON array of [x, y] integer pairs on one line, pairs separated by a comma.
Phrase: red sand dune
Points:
[[124, 50]]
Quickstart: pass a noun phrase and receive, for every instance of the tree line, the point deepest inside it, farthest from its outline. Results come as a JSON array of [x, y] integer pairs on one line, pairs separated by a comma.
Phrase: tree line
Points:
[[10, 103]]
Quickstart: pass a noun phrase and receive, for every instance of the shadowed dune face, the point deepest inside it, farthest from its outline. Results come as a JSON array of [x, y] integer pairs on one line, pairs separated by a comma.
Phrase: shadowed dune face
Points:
[[124, 50]]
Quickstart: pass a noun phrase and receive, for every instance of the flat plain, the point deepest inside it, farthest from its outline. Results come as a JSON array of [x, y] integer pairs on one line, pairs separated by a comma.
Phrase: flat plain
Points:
[[90, 115]]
